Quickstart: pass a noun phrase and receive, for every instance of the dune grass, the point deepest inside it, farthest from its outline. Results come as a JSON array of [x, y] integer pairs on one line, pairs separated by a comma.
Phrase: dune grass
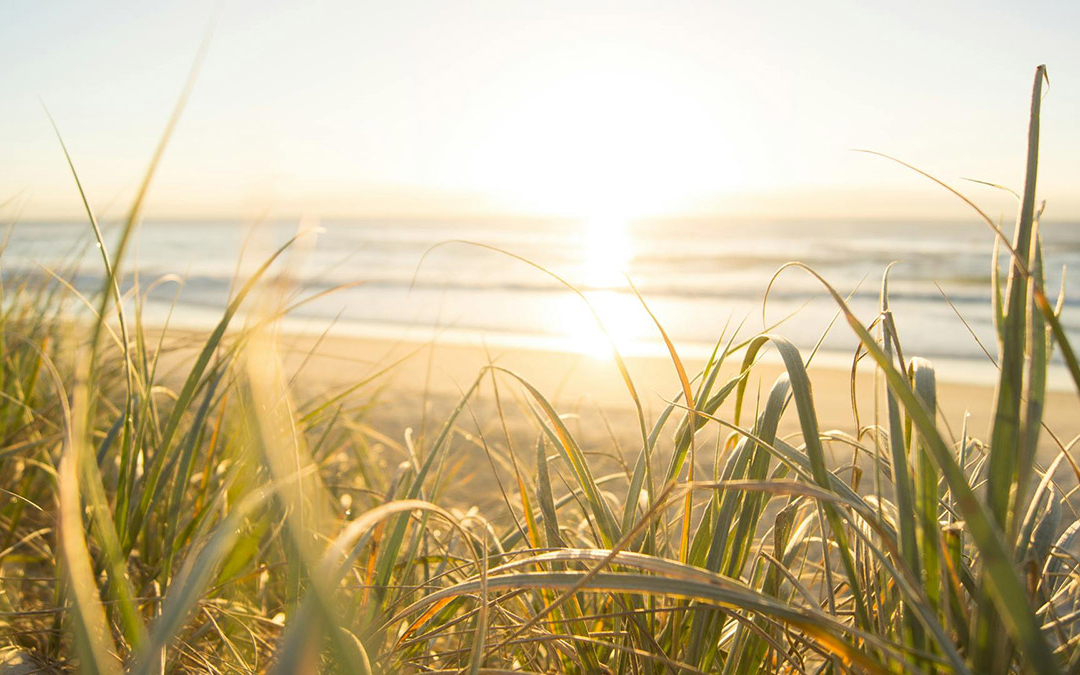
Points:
[[211, 522]]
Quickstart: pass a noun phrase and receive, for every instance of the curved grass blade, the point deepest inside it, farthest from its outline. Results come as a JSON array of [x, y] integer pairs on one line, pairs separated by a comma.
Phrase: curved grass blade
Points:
[[901, 474], [194, 380], [821, 627], [93, 640], [573, 455], [1006, 589]]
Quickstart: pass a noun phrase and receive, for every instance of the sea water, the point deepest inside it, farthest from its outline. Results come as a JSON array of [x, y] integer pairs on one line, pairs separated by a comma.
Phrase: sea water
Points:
[[703, 279]]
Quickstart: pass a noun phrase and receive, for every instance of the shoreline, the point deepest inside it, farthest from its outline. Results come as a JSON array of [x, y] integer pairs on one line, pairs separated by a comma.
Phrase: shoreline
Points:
[[977, 371], [425, 379]]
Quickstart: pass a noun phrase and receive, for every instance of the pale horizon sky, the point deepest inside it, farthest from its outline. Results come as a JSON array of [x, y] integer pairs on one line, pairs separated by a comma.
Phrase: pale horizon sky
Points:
[[333, 108]]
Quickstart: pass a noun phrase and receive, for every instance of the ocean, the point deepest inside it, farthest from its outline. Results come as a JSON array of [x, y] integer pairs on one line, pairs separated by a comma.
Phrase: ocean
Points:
[[703, 279]]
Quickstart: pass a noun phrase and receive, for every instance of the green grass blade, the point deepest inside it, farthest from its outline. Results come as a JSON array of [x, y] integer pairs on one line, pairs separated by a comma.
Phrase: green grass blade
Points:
[[388, 555], [93, 639], [545, 498], [192, 382], [1034, 396], [901, 473], [927, 496], [1006, 430], [577, 461], [804, 404], [1006, 590]]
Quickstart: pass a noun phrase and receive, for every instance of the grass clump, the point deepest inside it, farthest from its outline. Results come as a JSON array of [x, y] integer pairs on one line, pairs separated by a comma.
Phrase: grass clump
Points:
[[210, 522]]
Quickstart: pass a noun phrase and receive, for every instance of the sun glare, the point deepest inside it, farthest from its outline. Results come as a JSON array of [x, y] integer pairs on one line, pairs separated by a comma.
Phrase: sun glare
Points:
[[605, 136], [605, 255], [620, 314]]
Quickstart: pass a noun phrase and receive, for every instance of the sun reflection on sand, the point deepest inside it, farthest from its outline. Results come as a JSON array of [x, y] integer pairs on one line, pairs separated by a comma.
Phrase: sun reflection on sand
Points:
[[606, 253]]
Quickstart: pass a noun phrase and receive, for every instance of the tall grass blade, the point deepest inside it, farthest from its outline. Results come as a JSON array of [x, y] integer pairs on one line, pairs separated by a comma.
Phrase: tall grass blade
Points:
[[901, 474], [1003, 479], [93, 639], [1003, 583], [927, 494]]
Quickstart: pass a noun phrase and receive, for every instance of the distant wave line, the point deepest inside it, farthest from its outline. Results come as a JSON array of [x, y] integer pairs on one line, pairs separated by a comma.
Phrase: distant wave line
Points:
[[201, 284]]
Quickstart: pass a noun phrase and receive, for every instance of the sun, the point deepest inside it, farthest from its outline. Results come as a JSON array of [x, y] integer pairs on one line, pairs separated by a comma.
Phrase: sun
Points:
[[605, 137]]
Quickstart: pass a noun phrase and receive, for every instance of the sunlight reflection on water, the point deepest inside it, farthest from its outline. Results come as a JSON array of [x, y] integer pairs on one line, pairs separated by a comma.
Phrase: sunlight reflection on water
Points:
[[606, 253]]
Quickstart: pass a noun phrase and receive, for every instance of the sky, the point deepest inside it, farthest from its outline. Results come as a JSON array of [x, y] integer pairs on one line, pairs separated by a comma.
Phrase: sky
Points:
[[331, 108]]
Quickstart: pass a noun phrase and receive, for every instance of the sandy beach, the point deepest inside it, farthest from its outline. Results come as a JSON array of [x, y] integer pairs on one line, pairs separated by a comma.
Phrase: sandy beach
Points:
[[416, 384]]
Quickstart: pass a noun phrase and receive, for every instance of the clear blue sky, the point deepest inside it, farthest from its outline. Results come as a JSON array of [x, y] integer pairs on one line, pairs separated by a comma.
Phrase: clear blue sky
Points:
[[332, 107]]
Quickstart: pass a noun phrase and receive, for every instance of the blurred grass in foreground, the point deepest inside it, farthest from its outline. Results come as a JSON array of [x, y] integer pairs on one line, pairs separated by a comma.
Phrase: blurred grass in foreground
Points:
[[210, 522]]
